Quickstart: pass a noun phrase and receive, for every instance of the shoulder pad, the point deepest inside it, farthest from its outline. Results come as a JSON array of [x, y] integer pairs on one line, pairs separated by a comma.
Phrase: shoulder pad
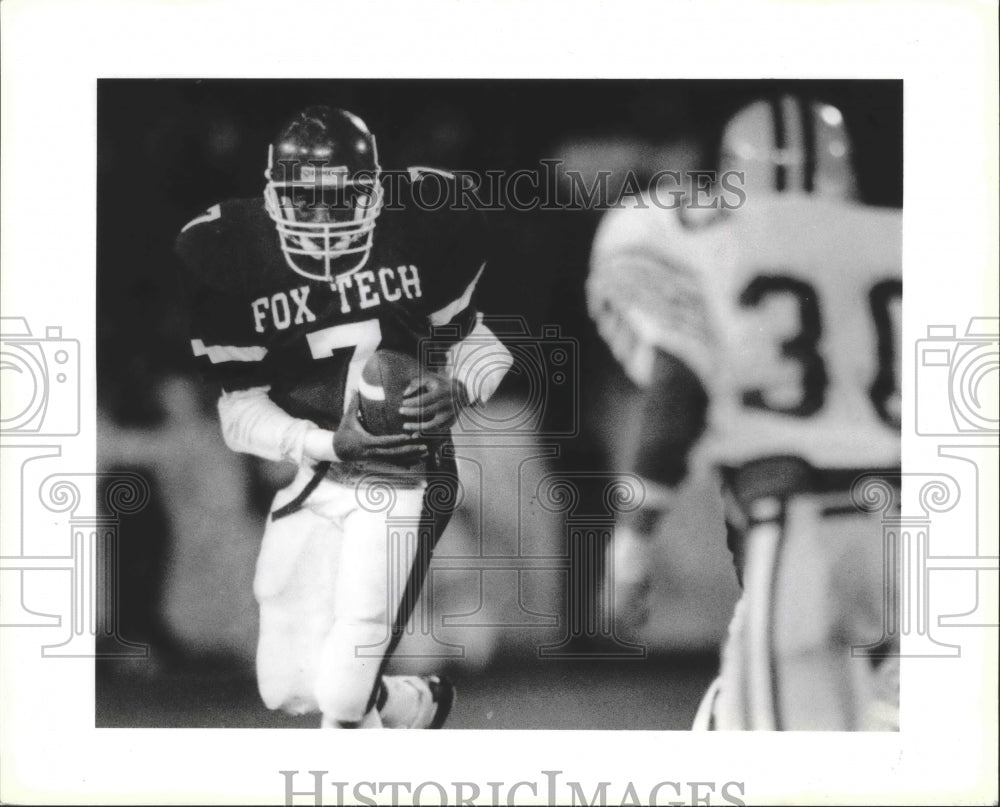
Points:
[[418, 172], [220, 247], [638, 222]]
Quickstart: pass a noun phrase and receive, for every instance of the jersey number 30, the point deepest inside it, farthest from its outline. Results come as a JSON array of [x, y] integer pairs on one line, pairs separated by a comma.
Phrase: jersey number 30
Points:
[[802, 347]]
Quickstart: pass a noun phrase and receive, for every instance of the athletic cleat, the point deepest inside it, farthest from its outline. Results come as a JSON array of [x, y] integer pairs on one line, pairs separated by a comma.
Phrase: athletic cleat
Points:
[[415, 701], [443, 696]]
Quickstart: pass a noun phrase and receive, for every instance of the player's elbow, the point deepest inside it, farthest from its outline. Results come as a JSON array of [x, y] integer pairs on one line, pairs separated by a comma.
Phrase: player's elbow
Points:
[[235, 413], [496, 363], [480, 362], [228, 408]]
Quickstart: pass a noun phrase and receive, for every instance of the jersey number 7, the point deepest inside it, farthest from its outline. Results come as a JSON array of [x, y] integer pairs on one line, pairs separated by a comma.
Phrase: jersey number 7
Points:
[[351, 345]]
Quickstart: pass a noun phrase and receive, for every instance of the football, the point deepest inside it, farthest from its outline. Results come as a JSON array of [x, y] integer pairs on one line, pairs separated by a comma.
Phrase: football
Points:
[[383, 379]]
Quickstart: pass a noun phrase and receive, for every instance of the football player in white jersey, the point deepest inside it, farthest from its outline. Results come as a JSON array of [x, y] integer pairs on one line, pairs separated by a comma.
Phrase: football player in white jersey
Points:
[[767, 334]]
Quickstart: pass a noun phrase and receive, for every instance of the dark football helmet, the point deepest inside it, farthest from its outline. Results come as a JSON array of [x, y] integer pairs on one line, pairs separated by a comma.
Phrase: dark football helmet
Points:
[[324, 192], [790, 144]]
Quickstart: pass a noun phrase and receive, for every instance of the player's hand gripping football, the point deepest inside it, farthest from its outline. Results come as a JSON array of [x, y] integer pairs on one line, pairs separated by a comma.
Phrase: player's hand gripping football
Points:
[[431, 404], [353, 443]]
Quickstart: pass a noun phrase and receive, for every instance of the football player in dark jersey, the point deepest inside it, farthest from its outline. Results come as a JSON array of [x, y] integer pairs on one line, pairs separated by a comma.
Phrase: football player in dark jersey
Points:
[[293, 292]]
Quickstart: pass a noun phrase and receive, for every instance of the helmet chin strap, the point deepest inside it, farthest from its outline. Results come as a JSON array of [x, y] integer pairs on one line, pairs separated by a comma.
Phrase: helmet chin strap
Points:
[[310, 246], [313, 245]]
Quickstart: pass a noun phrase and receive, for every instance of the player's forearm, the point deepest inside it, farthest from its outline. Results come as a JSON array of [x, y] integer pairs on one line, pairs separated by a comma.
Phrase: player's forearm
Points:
[[479, 362], [671, 420], [253, 424]]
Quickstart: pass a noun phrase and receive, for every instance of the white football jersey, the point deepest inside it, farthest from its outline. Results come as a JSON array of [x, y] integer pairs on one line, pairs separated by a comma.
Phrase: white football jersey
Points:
[[788, 309]]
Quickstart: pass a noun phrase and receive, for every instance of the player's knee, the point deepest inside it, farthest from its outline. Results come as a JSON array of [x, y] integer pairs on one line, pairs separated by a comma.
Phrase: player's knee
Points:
[[273, 687], [282, 685], [287, 651]]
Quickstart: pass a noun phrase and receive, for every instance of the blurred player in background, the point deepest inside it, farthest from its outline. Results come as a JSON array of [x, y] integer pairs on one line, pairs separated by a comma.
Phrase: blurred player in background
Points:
[[766, 333], [293, 292]]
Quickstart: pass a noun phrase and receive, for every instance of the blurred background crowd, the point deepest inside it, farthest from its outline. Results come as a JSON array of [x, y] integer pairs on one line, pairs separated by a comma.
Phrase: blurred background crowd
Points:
[[169, 149]]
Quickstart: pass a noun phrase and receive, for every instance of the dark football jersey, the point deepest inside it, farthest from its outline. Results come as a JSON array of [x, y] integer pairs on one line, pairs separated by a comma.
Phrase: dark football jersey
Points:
[[258, 323]]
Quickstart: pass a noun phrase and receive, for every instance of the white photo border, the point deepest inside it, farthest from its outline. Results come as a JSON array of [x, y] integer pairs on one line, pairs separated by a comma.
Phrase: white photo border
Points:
[[54, 51]]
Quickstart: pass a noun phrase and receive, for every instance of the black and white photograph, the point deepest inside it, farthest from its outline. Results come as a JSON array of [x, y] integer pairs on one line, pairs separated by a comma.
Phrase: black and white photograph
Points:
[[584, 410], [408, 377]]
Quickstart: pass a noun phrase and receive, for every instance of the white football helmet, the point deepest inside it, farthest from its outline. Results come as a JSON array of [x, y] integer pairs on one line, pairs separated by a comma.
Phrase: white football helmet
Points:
[[790, 144]]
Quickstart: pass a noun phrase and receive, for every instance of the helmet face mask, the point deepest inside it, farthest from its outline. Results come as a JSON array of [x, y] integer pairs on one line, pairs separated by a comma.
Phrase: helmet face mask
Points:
[[324, 192]]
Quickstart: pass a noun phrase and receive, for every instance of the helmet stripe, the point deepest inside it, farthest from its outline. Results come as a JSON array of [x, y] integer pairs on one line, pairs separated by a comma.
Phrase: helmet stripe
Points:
[[780, 173], [807, 111], [792, 155]]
